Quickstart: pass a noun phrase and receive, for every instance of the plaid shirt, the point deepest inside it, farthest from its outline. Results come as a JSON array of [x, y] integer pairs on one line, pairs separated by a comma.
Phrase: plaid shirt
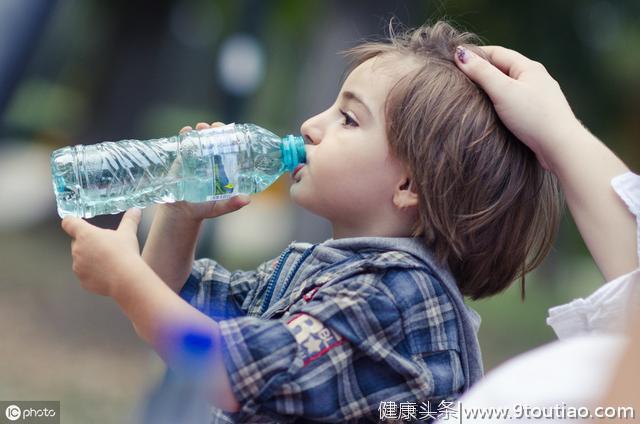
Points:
[[312, 339]]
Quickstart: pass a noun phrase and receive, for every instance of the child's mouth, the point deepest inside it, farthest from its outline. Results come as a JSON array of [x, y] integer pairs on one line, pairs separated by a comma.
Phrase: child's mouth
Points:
[[295, 171]]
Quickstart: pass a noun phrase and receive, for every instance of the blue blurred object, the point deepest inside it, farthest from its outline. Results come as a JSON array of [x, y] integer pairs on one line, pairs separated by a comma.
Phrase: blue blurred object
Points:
[[197, 343], [21, 24], [181, 396]]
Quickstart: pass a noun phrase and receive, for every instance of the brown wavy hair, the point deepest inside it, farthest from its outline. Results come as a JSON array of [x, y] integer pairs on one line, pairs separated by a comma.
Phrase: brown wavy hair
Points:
[[486, 208]]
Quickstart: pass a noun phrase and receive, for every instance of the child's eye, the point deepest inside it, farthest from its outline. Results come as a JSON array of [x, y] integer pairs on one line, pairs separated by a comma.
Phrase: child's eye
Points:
[[348, 120]]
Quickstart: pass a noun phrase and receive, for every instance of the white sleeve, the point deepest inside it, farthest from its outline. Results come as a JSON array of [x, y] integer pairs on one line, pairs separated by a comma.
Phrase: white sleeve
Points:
[[606, 310]]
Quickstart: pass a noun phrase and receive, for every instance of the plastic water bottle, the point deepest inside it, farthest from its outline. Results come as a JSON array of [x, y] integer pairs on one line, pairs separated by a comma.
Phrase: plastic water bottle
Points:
[[196, 166]]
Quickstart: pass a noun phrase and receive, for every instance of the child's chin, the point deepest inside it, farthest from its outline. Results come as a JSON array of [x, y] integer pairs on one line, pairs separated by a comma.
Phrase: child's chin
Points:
[[294, 193], [298, 196]]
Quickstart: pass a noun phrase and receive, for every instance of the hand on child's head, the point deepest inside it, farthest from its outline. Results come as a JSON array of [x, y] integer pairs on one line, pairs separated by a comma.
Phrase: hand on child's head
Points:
[[527, 99]]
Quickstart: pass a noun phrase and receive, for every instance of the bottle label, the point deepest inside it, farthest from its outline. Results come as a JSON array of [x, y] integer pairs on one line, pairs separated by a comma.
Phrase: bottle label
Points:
[[224, 147]]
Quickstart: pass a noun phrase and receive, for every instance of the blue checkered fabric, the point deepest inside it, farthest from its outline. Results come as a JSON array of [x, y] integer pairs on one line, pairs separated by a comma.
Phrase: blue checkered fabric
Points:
[[326, 336]]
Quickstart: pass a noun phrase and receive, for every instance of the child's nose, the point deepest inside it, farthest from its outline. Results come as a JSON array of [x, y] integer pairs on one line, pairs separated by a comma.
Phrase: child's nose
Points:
[[310, 131], [311, 135]]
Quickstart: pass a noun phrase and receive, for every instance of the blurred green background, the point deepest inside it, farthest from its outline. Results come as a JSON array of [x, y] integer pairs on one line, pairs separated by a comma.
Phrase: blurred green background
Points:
[[83, 71]]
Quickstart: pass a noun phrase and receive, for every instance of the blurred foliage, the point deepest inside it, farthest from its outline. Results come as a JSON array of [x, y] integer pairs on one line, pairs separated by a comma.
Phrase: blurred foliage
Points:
[[143, 69], [139, 56]]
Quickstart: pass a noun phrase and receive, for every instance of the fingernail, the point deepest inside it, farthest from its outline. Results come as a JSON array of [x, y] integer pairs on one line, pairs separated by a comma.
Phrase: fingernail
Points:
[[245, 198], [463, 54]]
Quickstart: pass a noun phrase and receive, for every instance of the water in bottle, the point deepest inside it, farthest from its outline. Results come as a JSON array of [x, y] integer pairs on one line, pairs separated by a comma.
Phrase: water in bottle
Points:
[[196, 166]]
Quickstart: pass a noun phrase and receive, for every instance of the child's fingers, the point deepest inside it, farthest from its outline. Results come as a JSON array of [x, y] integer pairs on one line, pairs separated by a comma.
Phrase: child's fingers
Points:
[[490, 78], [222, 207], [130, 220], [242, 200], [73, 225], [201, 126], [176, 167]]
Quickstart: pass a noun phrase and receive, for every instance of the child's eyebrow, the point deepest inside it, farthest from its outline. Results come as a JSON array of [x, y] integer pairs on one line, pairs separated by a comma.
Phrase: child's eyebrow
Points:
[[349, 95]]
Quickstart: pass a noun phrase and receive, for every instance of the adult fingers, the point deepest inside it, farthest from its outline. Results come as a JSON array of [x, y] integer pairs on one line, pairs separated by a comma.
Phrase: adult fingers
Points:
[[490, 78], [130, 220], [508, 61]]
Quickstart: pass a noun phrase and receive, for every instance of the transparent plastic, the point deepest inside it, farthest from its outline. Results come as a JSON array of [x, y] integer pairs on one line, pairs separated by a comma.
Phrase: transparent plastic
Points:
[[196, 166]]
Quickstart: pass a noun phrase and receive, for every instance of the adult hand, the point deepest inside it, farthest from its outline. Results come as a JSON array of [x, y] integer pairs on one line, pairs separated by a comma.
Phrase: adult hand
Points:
[[530, 103], [527, 99]]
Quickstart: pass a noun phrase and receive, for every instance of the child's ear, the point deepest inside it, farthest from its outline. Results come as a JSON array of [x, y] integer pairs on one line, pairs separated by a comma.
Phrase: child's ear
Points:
[[404, 196]]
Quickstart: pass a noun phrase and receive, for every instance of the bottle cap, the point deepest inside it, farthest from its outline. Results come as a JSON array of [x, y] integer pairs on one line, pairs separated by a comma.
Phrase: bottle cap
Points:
[[293, 152]]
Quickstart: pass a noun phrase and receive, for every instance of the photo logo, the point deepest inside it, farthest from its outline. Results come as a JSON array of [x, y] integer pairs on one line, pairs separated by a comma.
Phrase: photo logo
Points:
[[13, 412], [29, 411]]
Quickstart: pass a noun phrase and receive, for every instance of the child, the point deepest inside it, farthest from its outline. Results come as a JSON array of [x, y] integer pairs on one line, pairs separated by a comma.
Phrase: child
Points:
[[430, 199]]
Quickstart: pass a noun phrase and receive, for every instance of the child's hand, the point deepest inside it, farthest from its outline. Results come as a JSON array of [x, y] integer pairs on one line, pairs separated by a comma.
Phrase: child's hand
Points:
[[100, 256], [204, 210], [527, 99]]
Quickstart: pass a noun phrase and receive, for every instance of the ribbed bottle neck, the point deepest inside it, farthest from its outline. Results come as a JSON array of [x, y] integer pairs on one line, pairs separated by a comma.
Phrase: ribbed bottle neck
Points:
[[293, 152]]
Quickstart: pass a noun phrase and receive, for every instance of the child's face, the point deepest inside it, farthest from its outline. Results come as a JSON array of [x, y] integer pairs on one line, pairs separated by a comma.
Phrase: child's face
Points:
[[350, 176]]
